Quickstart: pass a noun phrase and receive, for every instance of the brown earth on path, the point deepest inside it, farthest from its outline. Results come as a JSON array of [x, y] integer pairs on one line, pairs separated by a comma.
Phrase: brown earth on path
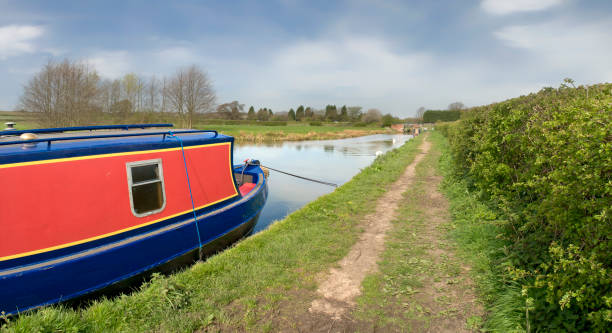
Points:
[[339, 289], [447, 300]]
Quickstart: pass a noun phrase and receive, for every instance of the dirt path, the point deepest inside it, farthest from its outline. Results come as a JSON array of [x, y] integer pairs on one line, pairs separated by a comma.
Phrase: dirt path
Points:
[[436, 293], [447, 300], [339, 289]]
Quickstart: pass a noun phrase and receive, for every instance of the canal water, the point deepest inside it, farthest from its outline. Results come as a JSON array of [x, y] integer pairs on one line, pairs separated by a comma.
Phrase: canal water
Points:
[[334, 161]]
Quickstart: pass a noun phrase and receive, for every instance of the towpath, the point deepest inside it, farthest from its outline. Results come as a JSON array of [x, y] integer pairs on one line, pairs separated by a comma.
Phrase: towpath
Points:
[[434, 292]]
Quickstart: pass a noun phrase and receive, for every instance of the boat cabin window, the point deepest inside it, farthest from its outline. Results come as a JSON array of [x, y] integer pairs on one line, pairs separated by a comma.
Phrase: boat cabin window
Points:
[[146, 183]]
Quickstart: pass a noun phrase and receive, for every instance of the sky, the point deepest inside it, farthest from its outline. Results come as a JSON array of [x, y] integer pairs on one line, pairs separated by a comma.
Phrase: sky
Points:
[[392, 55]]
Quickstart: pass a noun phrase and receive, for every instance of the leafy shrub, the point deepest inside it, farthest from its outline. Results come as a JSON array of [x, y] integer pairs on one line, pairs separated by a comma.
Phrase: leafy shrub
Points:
[[545, 160], [315, 123]]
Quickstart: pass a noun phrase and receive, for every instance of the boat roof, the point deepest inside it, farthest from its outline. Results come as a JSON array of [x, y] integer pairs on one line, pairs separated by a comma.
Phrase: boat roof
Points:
[[93, 140]]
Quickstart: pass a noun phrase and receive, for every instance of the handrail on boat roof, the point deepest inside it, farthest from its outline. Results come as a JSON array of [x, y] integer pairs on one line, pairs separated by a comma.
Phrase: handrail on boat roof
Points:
[[88, 137], [82, 128]]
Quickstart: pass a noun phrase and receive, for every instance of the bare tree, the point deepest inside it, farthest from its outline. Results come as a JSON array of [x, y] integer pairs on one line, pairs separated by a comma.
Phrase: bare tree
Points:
[[190, 92], [230, 110], [164, 95], [115, 95], [131, 89], [175, 93], [104, 95], [373, 115], [354, 112], [420, 112], [63, 93], [152, 94], [456, 106]]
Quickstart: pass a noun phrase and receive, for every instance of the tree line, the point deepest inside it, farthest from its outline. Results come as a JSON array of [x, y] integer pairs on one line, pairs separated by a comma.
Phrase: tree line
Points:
[[71, 93], [452, 113]]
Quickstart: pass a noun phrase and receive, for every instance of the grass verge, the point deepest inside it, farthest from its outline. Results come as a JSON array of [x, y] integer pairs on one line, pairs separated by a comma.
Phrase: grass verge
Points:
[[475, 229], [287, 256]]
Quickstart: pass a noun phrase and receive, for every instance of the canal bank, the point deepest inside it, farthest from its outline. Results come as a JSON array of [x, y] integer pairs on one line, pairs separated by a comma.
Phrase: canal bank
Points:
[[294, 132], [237, 288]]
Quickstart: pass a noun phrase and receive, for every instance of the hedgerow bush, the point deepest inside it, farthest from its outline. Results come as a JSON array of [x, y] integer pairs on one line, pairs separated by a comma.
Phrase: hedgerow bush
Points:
[[545, 160]]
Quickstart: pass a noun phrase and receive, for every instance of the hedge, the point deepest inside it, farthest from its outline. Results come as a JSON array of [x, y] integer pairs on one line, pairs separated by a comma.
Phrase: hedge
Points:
[[545, 161]]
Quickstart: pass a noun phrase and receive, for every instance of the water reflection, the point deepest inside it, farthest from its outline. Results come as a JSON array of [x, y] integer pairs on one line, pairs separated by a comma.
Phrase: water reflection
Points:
[[335, 161]]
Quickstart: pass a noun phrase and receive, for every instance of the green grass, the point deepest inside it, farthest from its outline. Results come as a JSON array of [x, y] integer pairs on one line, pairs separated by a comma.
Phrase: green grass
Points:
[[252, 276], [24, 120], [475, 229], [242, 132]]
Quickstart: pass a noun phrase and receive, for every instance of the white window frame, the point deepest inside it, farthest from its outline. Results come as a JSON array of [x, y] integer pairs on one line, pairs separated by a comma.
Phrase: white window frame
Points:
[[129, 167]]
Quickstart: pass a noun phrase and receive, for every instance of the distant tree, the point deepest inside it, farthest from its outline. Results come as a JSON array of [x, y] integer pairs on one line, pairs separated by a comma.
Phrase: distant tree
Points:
[[432, 116], [331, 113], [251, 114], [122, 109], [62, 94], [343, 113], [190, 92], [308, 113], [230, 110], [354, 113], [372, 116], [419, 113], [456, 106], [131, 88], [291, 115], [262, 114], [270, 113], [388, 120], [299, 113], [152, 94]]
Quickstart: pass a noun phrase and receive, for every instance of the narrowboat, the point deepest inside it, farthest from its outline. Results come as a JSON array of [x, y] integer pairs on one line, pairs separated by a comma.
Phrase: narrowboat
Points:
[[85, 208]]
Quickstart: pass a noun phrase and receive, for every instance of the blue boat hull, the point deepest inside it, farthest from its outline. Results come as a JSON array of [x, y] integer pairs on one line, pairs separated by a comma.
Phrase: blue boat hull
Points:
[[106, 266]]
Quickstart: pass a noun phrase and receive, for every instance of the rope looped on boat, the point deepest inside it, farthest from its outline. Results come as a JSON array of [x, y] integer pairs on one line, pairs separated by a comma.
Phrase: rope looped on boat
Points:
[[195, 217]]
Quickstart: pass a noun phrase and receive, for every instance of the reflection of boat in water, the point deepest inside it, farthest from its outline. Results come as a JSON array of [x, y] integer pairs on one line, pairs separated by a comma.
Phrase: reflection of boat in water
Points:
[[81, 211]]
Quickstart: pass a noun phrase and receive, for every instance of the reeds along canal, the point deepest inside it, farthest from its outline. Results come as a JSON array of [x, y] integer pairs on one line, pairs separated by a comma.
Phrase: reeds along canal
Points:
[[335, 161]]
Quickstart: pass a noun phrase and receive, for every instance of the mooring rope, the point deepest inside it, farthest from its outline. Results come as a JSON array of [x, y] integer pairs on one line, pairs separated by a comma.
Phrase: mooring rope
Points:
[[195, 217], [248, 162]]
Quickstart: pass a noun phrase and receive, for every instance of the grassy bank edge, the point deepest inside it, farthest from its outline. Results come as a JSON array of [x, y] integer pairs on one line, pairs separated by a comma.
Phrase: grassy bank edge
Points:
[[475, 229], [226, 289], [295, 132]]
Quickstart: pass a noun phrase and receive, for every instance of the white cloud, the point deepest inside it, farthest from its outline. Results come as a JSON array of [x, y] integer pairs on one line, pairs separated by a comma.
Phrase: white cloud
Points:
[[112, 64], [503, 7], [177, 55], [363, 71], [580, 49], [18, 39], [350, 65]]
